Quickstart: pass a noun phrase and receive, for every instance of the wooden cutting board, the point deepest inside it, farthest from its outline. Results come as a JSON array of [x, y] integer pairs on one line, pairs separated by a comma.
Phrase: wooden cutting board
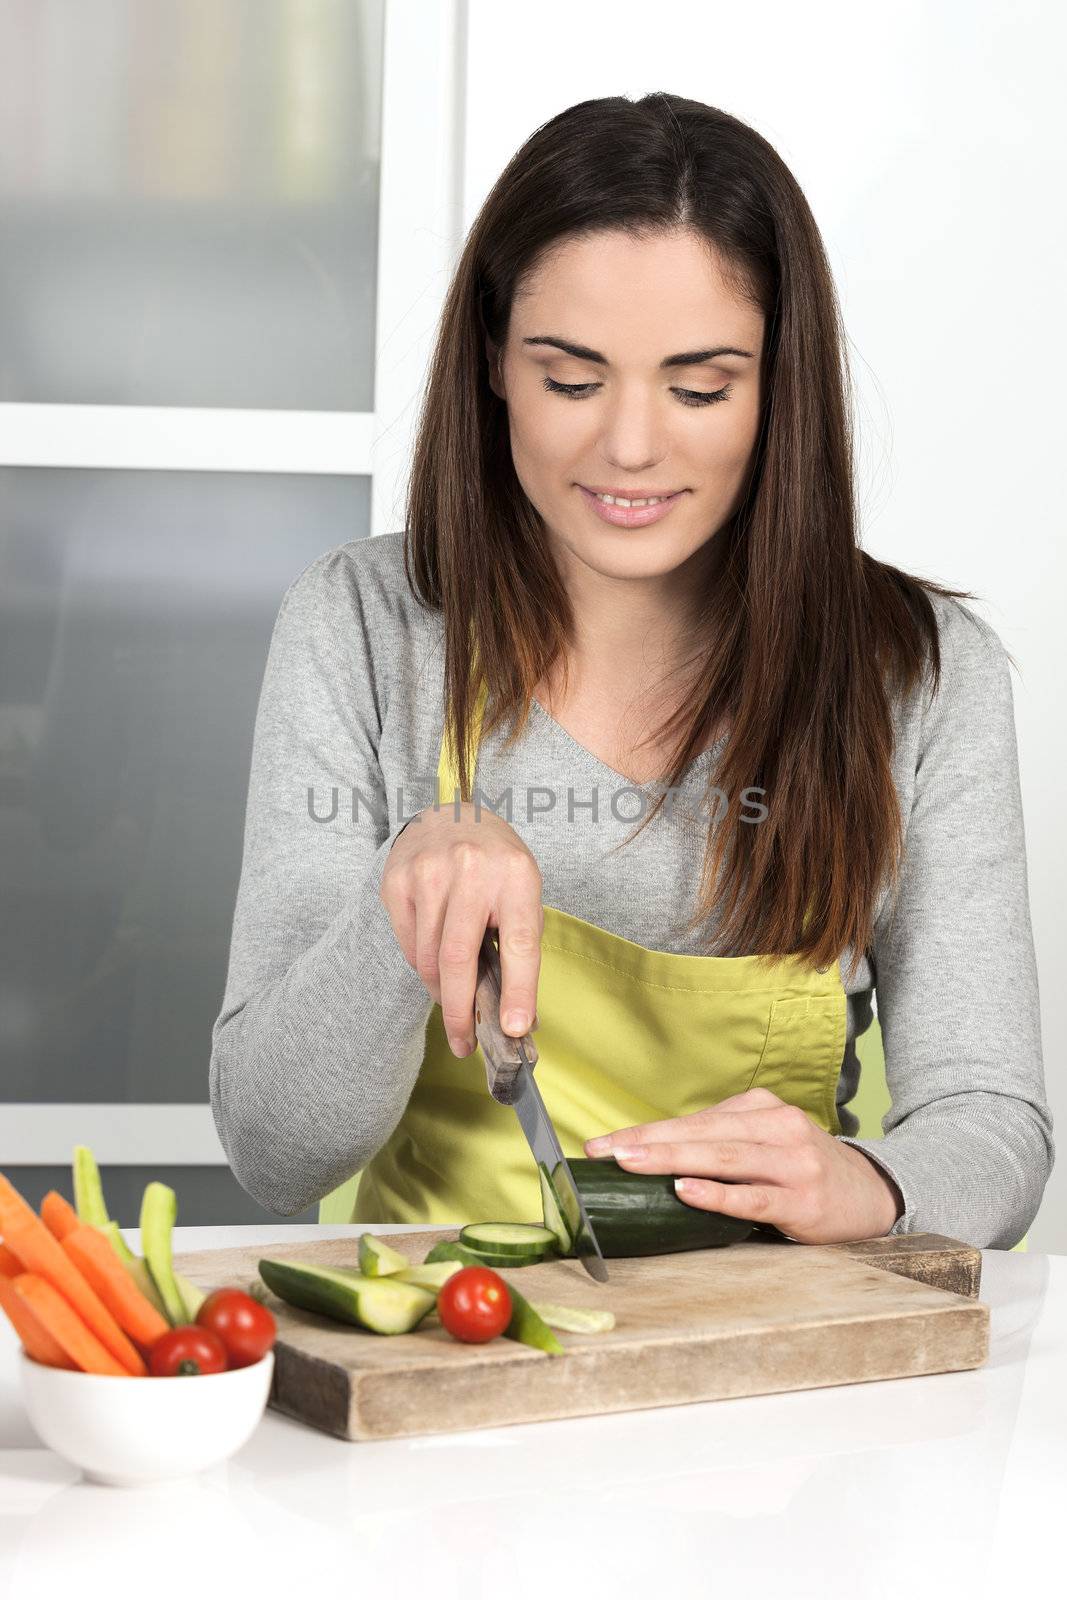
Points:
[[757, 1317]]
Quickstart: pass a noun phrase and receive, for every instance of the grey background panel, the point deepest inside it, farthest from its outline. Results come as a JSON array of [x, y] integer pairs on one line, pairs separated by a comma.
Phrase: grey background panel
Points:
[[136, 611]]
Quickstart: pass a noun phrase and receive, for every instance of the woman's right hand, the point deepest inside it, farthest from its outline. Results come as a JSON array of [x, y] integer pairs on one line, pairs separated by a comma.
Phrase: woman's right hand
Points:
[[445, 881]]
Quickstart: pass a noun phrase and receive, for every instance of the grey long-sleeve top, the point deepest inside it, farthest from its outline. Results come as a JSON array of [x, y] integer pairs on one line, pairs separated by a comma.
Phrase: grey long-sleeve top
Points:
[[320, 1037]]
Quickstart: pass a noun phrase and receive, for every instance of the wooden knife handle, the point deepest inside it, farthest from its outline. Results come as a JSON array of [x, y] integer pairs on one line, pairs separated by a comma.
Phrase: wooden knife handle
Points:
[[498, 1048]]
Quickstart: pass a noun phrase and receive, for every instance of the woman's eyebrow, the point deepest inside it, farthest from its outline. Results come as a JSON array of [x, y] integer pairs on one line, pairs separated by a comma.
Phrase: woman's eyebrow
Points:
[[688, 358]]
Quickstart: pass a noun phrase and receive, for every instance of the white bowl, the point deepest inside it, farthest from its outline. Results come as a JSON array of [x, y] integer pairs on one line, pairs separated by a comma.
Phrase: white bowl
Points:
[[132, 1431]]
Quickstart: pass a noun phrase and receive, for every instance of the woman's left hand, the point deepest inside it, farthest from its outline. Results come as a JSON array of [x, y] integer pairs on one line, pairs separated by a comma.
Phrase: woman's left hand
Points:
[[757, 1157]]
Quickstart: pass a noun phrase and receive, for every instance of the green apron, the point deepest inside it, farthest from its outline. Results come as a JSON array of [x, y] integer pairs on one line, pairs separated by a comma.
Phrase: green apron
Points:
[[625, 1035]]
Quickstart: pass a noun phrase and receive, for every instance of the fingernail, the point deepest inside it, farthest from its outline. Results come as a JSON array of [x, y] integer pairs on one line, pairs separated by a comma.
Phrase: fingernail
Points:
[[457, 1046], [600, 1146], [683, 1185], [517, 1022], [631, 1152]]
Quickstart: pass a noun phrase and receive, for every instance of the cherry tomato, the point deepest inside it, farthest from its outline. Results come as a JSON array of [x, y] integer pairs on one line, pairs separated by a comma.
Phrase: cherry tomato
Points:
[[186, 1352], [246, 1328], [474, 1305]]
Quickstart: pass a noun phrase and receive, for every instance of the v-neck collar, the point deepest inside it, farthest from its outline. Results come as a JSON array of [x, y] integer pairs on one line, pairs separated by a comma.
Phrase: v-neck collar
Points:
[[691, 770]]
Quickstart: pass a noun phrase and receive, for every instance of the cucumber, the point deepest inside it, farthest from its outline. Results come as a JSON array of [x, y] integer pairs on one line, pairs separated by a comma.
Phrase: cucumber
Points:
[[159, 1210], [554, 1219], [138, 1271], [88, 1190], [432, 1277], [118, 1243], [529, 1327], [576, 1319], [518, 1241], [378, 1260], [193, 1297], [526, 1325], [639, 1214], [572, 1217], [490, 1258], [380, 1305]]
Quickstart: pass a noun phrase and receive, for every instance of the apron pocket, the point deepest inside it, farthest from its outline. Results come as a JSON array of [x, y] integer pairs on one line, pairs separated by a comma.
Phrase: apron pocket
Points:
[[803, 1053]]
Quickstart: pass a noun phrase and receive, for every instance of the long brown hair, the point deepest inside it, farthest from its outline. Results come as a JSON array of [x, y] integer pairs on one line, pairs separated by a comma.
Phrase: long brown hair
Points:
[[807, 636]]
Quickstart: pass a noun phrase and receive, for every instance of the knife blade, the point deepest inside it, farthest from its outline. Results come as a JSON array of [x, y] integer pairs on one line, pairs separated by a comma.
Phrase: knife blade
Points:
[[509, 1075]]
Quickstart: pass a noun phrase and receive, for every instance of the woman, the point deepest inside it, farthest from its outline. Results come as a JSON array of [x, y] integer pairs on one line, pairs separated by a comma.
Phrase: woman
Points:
[[643, 308]]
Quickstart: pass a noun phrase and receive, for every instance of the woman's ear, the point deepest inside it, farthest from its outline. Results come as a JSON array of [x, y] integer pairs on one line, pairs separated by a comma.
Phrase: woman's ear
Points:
[[495, 358]]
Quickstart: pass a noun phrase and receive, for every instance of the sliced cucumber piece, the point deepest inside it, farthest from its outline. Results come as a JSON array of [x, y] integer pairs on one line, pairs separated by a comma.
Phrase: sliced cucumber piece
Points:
[[520, 1240], [88, 1190], [554, 1219], [192, 1295], [489, 1258], [432, 1277], [526, 1325], [379, 1260], [572, 1217], [118, 1243], [159, 1211], [381, 1305], [574, 1319]]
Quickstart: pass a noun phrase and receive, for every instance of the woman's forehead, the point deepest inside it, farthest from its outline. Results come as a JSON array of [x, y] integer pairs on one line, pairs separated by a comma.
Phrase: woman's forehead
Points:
[[651, 296]]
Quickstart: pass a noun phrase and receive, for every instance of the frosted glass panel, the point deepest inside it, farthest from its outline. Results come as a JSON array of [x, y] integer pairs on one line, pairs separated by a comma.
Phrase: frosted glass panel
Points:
[[135, 615], [189, 202]]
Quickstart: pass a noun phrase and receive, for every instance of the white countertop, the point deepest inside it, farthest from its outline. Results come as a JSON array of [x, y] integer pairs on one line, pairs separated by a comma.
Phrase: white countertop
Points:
[[942, 1486]]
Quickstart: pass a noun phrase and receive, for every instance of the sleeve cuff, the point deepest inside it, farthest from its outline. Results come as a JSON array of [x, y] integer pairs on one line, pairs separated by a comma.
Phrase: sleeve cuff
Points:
[[873, 1149]]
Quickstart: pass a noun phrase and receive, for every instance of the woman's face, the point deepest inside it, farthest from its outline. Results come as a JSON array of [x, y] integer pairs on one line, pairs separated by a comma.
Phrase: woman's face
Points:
[[628, 307]]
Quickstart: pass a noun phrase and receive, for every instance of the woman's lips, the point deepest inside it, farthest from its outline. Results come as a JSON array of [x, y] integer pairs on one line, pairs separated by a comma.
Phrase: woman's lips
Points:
[[629, 516]]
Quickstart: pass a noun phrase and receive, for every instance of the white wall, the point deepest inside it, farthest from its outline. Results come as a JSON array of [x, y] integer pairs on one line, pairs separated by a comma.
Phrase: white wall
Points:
[[930, 145]]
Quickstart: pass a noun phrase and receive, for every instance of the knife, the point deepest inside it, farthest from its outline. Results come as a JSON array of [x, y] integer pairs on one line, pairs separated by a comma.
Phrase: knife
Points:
[[509, 1075]]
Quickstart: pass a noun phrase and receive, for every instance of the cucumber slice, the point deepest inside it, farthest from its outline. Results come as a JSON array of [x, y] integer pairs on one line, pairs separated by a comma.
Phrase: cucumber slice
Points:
[[91, 1208], [192, 1295], [554, 1219], [489, 1258], [529, 1327], [381, 1305], [575, 1319], [572, 1217], [118, 1243], [526, 1325], [434, 1276], [88, 1190], [519, 1240], [159, 1210], [378, 1260]]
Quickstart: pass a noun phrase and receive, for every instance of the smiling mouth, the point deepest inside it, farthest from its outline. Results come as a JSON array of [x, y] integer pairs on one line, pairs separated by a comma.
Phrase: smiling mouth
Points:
[[607, 498], [621, 512]]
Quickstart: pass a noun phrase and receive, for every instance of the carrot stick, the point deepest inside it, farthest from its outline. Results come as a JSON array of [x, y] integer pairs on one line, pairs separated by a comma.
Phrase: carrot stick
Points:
[[36, 1339], [66, 1327], [58, 1215], [10, 1265], [94, 1256], [41, 1252]]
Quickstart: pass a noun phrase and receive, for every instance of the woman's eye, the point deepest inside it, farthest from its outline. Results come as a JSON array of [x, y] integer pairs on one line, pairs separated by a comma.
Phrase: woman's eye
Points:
[[688, 397]]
